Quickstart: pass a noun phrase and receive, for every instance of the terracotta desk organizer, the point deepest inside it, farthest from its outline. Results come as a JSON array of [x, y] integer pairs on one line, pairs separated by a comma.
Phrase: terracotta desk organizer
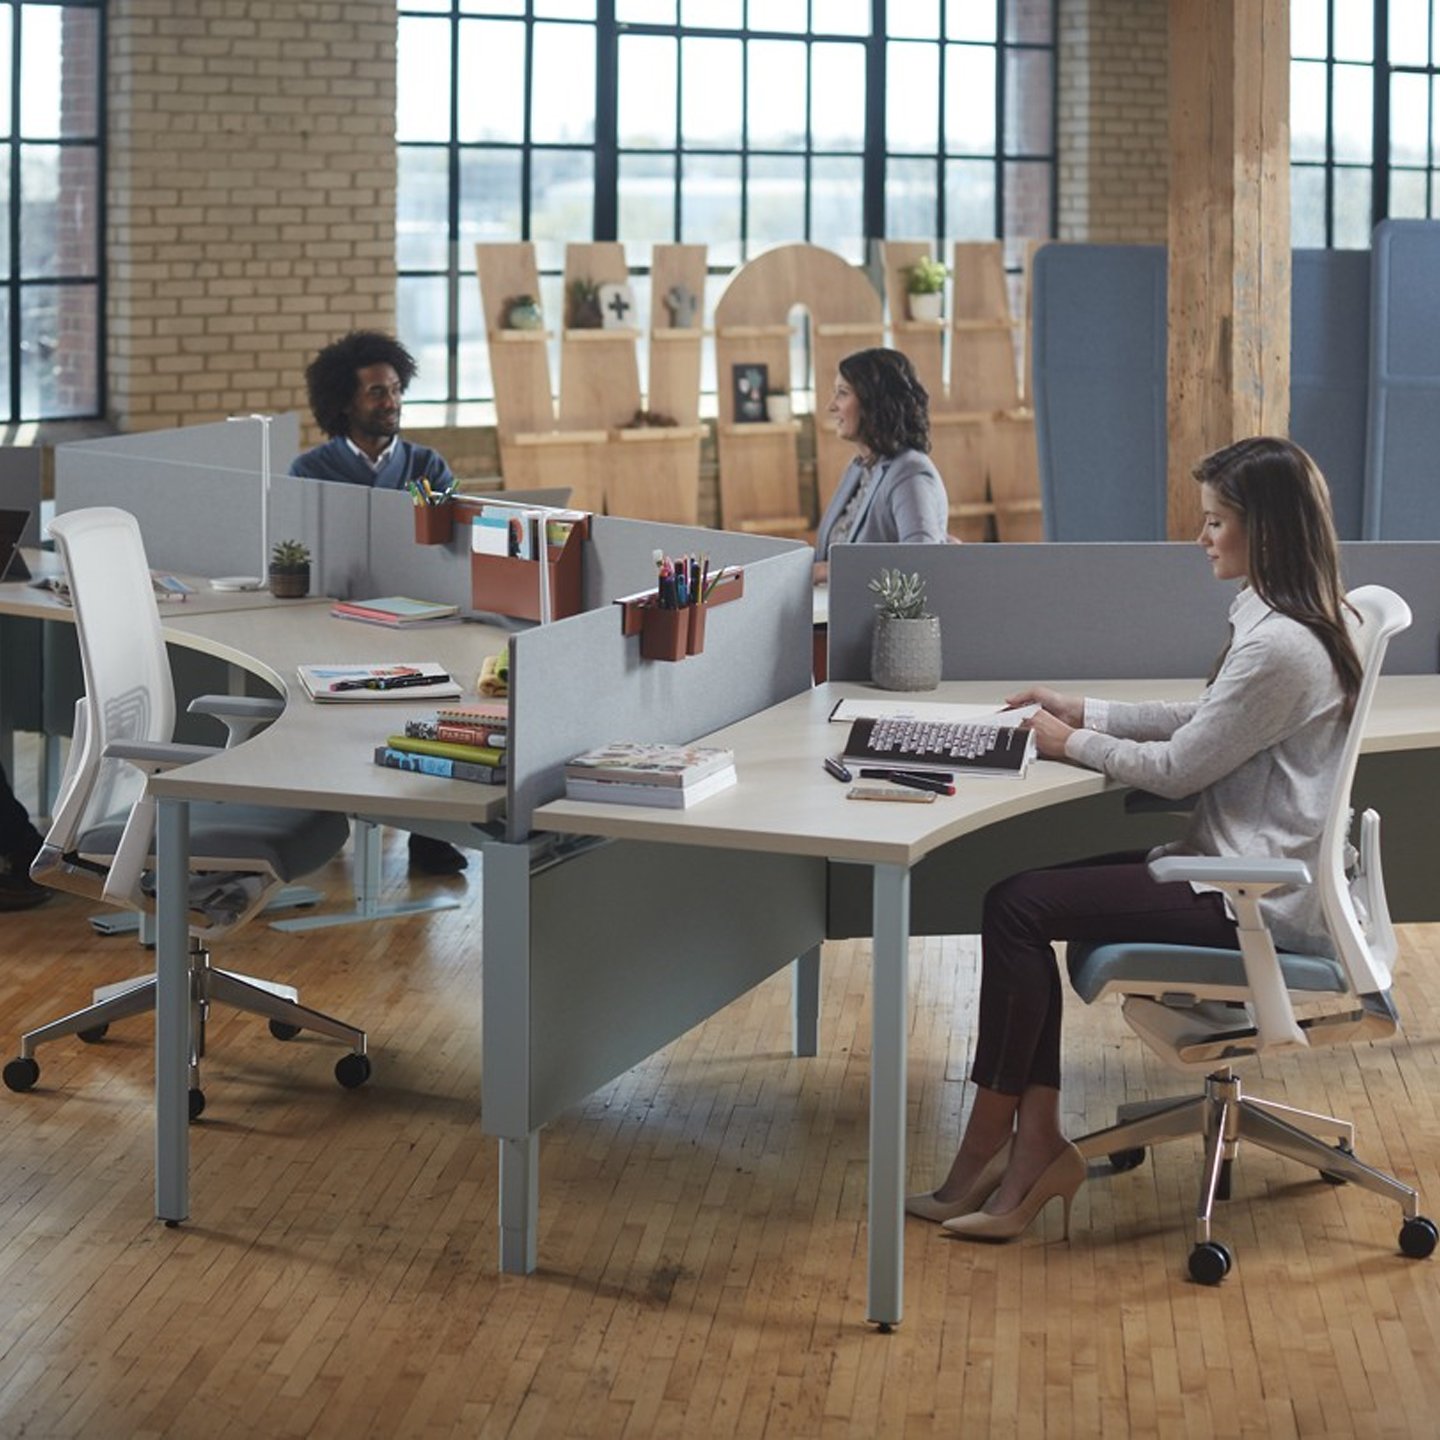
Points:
[[674, 634], [434, 524], [501, 585]]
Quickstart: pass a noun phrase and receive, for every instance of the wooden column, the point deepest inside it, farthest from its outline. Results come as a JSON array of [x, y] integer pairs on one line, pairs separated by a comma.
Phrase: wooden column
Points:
[[1229, 274]]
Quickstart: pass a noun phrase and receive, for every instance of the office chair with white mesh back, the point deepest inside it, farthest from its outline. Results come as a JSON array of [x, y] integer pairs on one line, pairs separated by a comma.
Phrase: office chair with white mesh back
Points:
[[1200, 1009], [101, 841]]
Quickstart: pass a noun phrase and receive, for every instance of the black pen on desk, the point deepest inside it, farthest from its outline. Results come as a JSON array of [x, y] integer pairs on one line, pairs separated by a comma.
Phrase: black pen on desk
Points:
[[838, 769], [891, 772], [940, 784], [390, 682]]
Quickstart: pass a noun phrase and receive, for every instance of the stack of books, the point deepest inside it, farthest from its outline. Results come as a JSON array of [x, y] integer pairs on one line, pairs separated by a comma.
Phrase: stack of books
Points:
[[673, 777], [395, 611], [460, 742]]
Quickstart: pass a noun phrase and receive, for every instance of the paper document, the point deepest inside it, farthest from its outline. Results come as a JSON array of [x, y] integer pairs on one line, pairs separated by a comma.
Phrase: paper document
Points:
[[938, 711]]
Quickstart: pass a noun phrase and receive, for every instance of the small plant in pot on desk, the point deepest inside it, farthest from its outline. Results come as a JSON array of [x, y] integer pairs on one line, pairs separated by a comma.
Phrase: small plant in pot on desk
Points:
[[905, 646], [925, 286], [290, 570]]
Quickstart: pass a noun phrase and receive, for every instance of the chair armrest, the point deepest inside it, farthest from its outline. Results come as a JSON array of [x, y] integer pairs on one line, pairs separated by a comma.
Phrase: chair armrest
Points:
[[155, 756], [1244, 880], [241, 715]]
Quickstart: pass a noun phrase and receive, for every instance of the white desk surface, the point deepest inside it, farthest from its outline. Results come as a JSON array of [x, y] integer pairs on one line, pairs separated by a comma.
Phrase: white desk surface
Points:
[[786, 803]]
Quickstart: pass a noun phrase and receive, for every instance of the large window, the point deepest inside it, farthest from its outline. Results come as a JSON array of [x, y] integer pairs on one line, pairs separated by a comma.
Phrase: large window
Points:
[[739, 123], [50, 304], [1364, 117]]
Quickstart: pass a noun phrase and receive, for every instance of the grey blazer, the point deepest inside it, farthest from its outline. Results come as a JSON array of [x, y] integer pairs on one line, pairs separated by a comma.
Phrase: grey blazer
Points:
[[907, 504]]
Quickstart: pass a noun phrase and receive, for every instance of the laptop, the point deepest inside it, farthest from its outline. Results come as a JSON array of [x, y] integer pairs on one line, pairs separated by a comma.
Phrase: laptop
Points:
[[12, 527]]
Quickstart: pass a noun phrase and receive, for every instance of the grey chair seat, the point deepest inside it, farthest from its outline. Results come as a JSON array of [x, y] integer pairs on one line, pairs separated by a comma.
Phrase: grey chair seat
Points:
[[1175, 968], [289, 842]]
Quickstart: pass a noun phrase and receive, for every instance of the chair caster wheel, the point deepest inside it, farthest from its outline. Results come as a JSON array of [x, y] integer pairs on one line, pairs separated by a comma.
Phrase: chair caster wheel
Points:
[[352, 1070], [1123, 1160], [94, 1035], [1210, 1263], [21, 1075], [1417, 1236], [281, 1031], [197, 1104]]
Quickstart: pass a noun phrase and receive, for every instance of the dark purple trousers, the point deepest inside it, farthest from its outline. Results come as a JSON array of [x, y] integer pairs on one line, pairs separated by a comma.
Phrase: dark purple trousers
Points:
[[1108, 898]]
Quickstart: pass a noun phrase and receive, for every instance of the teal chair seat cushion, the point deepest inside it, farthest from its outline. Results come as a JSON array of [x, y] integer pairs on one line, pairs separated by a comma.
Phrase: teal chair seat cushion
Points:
[[1176, 968], [289, 842]]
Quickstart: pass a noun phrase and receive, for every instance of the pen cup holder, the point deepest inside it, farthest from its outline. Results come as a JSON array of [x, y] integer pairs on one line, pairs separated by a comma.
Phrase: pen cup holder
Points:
[[695, 630], [434, 524], [664, 634]]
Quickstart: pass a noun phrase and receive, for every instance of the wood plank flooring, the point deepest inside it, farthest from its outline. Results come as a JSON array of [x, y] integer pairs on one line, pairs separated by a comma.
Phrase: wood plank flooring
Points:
[[702, 1243]]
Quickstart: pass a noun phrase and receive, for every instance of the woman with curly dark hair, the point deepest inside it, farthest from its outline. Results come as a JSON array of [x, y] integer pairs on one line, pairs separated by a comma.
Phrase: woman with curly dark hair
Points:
[[890, 491], [355, 386]]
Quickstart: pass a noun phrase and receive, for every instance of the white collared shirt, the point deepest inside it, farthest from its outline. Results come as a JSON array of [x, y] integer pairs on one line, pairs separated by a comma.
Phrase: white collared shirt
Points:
[[378, 463]]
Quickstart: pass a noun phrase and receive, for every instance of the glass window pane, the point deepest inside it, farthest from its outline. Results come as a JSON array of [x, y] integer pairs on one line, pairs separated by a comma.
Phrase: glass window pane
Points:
[[710, 205], [777, 95], [910, 199], [915, 19], [1408, 190], [912, 95], [1354, 113], [60, 66], [473, 380], [1307, 111], [837, 217], [5, 354], [970, 99], [58, 348], [647, 198], [646, 110], [1027, 22], [4, 239], [645, 12], [712, 14], [1434, 193], [422, 209], [1352, 208], [1027, 199], [1307, 207], [778, 15], [1354, 30], [1028, 111], [837, 81], [565, 9], [40, 71], [776, 196], [422, 80], [562, 202], [442, 7], [1409, 27], [842, 17], [6, 75], [1309, 29], [710, 92], [57, 210], [489, 198], [970, 200], [492, 81], [970, 22], [1409, 119], [422, 318], [1434, 121], [562, 93]]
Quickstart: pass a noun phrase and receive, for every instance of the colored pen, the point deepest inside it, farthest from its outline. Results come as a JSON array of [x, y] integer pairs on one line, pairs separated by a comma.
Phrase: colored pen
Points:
[[894, 772], [838, 769], [940, 784], [390, 682]]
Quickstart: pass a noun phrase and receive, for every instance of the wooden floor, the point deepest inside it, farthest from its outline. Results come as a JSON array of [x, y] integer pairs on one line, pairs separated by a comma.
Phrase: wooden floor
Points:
[[702, 1241]]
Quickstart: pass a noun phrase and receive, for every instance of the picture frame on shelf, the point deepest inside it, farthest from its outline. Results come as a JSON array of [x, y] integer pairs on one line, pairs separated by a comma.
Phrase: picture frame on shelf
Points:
[[749, 386]]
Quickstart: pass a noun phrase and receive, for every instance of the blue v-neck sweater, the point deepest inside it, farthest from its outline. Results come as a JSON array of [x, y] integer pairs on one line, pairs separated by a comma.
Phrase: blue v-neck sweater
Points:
[[335, 460]]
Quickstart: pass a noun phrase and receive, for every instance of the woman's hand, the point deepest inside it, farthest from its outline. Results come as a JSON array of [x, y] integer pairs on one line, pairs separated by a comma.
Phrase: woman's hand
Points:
[[1069, 708], [1050, 734]]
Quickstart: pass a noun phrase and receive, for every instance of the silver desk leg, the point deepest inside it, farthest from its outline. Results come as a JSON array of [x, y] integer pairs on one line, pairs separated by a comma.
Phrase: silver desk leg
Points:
[[805, 998], [890, 954], [172, 1012], [519, 1203]]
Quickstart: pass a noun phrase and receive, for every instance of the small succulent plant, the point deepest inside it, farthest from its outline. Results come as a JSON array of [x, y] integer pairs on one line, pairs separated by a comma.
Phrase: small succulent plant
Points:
[[925, 276], [290, 555], [902, 597]]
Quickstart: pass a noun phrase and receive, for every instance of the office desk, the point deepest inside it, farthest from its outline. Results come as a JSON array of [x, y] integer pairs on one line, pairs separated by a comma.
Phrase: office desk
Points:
[[785, 803]]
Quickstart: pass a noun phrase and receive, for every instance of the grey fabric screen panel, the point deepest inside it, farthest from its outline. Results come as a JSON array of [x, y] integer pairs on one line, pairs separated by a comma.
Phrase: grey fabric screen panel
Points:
[[220, 466], [1329, 371], [1099, 384], [1402, 472], [1412, 569]]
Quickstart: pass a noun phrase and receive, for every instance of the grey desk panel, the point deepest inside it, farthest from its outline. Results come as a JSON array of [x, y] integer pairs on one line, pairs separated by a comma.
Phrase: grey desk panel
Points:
[[1411, 568], [1402, 474], [1329, 372], [20, 486], [334, 520], [216, 531], [1099, 381], [579, 682]]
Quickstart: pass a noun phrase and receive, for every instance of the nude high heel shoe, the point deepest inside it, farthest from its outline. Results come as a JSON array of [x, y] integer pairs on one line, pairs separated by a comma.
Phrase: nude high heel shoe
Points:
[[927, 1207], [1062, 1176]]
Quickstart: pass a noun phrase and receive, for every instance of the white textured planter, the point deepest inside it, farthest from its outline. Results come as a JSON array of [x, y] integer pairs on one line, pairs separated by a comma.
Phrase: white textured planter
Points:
[[925, 307], [905, 654]]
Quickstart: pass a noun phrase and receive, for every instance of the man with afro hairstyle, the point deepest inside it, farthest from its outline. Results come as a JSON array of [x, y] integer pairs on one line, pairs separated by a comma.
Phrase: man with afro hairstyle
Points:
[[355, 386]]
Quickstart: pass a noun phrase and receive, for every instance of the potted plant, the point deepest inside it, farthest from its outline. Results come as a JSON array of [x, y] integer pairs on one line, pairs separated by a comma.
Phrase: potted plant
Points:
[[585, 305], [522, 312], [905, 645], [290, 570], [925, 286]]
